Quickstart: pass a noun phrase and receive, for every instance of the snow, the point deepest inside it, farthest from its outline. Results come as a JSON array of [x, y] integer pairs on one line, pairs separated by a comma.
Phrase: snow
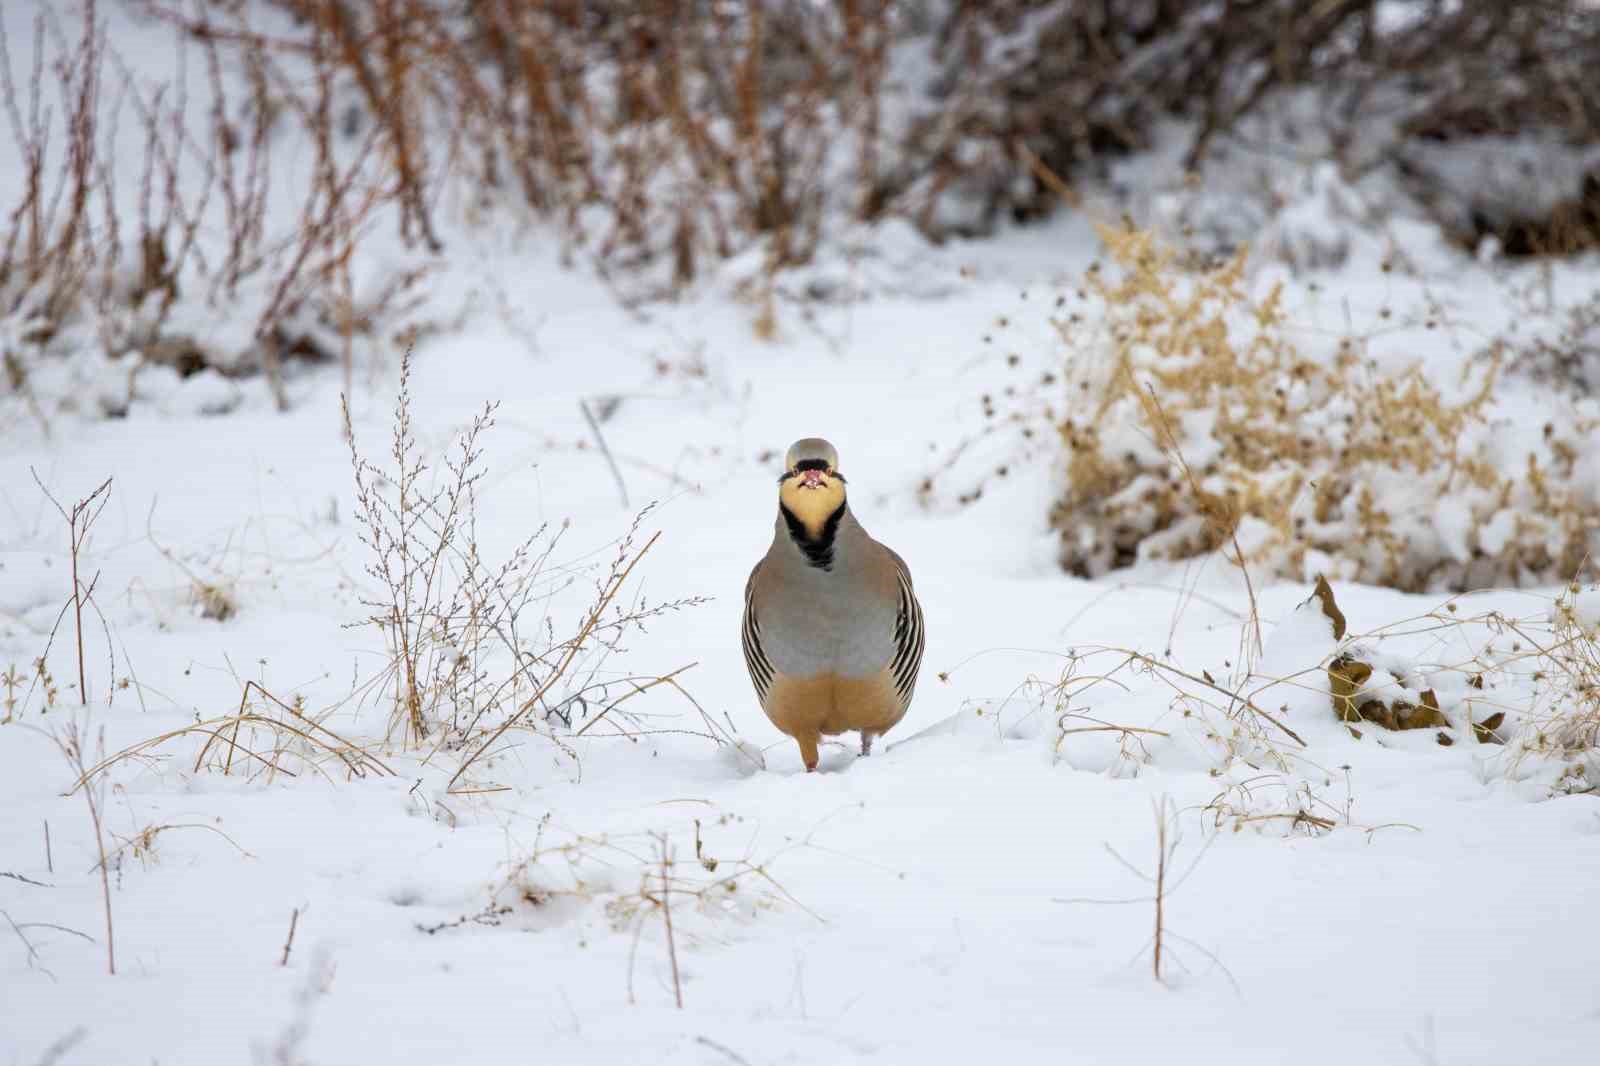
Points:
[[931, 903], [1586, 608]]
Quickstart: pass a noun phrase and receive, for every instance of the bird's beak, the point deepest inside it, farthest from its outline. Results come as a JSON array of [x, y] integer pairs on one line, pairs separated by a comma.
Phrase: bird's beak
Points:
[[810, 479]]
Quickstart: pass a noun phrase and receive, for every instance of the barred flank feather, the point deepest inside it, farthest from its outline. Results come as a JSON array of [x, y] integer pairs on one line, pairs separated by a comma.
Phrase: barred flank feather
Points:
[[755, 659], [909, 639]]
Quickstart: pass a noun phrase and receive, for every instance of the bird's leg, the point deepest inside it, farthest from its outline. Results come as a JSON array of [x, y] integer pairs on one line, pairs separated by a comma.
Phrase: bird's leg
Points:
[[866, 742], [808, 751]]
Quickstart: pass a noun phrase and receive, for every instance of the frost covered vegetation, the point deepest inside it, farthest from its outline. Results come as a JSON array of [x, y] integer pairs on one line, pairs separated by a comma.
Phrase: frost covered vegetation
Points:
[[1192, 416], [392, 399], [159, 224]]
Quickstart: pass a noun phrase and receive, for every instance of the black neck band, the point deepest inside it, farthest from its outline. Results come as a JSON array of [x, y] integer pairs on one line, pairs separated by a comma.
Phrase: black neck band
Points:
[[818, 551]]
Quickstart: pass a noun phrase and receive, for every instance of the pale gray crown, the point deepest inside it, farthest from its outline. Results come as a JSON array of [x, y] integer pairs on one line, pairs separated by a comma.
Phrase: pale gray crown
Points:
[[811, 448]]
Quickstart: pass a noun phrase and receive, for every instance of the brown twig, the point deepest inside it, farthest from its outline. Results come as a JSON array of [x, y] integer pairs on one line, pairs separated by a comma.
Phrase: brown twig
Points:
[[1051, 179], [733, 1056], [1233, 697], [605, 449], [609, 593], [1231, 528], [288, 943], [665, 679], [1114, 729], [1161, 885]]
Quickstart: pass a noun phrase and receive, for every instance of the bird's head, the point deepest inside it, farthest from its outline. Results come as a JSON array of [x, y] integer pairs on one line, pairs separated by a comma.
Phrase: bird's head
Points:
[[811, 488]]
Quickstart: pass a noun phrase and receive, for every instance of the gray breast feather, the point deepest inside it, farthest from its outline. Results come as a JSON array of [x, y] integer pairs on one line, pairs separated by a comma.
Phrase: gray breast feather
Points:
[[811, 631]]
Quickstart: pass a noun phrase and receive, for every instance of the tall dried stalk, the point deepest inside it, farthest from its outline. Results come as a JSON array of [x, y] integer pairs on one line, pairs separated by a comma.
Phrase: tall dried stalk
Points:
[[1163, 853], [80, 519], [70, 743], [666, 917], [1224, 520]]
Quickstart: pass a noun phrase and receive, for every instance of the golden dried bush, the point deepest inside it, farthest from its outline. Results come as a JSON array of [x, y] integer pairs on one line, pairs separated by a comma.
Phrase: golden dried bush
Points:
[[1190, 418]]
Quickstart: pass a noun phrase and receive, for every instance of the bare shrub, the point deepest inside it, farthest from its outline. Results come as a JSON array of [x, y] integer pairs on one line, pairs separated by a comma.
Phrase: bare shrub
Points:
[[655, 135], [197, 270], [474, 650], [664, 135], [1437, 94], [1188, 418]]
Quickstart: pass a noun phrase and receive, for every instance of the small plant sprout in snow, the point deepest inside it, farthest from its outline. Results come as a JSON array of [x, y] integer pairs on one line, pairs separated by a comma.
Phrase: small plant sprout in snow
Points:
[[1164, 880], [671, 888]]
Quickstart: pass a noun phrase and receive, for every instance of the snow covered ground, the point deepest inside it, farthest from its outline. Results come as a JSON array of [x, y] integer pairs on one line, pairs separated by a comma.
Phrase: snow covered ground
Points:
[[975, 889], [918, 907]]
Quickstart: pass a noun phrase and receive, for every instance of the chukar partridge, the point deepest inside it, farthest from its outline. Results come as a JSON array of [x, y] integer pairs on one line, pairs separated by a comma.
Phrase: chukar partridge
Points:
[[832, 628]]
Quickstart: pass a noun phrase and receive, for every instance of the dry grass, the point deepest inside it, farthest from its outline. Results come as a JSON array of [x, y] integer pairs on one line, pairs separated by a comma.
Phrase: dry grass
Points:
[[32, 689], [264, 738], [1523, 690], [1528, 685], [215, 594], [1266, 769]]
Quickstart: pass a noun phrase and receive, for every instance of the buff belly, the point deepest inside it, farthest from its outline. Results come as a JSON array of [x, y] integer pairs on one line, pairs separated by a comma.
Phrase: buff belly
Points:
[[827, 704]]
